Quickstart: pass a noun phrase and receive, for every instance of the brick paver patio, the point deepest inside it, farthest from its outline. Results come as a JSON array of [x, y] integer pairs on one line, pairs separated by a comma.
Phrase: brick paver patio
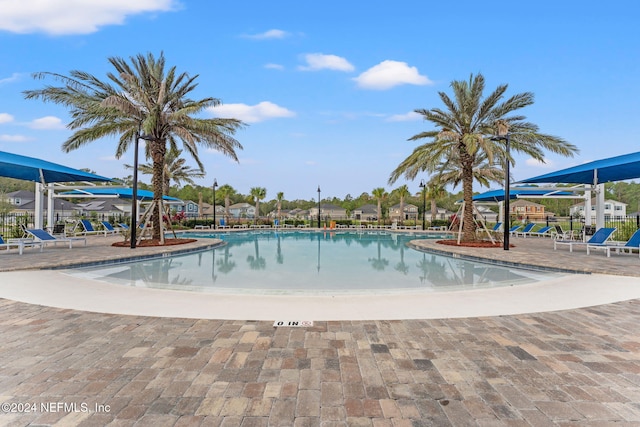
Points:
[[569, 368]]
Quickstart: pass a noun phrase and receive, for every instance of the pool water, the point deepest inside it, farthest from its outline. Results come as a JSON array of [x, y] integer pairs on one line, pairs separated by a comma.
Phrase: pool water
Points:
[[291, 262]]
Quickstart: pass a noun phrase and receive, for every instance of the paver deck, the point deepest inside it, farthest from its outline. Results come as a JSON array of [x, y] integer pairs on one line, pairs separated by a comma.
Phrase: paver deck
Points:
[[570, 367]]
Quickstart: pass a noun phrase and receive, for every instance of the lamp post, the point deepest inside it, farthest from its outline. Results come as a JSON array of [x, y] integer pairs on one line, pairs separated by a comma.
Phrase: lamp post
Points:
[[424, 203], [215, 184], [503, 135], [318, 206], [134, 193]]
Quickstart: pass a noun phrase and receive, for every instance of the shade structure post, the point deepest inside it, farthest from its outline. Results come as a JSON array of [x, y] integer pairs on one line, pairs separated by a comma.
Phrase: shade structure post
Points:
[[39, 206]]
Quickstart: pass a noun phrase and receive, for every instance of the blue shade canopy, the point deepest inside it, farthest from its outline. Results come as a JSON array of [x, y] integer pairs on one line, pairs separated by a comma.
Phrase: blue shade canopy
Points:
[[516, 192], [32, 169], [613, 169], [124, 193]]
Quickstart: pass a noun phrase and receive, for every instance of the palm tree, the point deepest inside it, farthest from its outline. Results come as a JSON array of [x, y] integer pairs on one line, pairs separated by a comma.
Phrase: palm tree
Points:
[[141, 98], [257, 194], [226, 191], [435, 191], [402, 192], [174, 169], [463, 132], [279, 198], [379, 194]]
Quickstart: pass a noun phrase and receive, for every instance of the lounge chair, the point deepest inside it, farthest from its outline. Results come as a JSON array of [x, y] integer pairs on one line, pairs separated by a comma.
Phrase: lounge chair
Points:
[[123, 225], [564, 235], [599, 238], [543, 232], [19, 243], [108, 228], [632, 243], [45, 238], [512, 230], [497, 228], [223, 224], [526, 230], [87, 228]]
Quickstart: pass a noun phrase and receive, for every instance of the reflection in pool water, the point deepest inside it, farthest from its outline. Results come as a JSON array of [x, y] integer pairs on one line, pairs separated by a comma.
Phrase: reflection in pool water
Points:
[[289, 262]]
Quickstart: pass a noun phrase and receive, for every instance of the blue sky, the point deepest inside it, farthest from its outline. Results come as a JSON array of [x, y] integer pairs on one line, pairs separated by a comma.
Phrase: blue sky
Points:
[[328, 88]]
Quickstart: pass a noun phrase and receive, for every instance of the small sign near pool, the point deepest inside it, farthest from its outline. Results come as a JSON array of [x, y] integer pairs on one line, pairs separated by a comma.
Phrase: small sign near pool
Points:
[[293, 323]]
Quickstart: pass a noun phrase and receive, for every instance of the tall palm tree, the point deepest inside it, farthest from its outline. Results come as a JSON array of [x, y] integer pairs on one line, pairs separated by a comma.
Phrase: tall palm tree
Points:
[[435, 191], [174, 169], [143, 96], [226, 191], [379, 194], [279, 198], [402, 192], [464, 129], [257, 194]]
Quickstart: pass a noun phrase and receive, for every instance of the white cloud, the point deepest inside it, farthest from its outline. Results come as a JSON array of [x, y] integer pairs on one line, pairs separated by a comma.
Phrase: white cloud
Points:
[[388, 74], [408, 117], [14, 78], [58, 17], [274, 66], [538, 164], [14, 138], [5, 118], [268, 35], [320, 61], [251, 113], [47, 123]]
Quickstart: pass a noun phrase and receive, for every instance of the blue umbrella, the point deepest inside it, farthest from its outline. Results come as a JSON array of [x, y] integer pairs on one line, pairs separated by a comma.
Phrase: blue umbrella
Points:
[[613, 169], [32, 169]]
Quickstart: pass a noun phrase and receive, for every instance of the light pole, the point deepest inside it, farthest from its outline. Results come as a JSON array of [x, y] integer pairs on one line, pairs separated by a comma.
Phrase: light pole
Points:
[[134, 193], [424, 203], [318, 206], [503, 135], [215, 184]]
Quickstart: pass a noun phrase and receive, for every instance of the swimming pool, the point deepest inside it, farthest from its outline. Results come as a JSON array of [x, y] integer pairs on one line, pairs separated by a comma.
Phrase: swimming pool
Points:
[[308, 262]]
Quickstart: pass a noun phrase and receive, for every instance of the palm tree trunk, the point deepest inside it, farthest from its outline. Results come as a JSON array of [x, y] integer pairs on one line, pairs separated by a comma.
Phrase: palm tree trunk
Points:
[[157, 154], [227, 203], [434, 210], [401, 210], [468, 228]]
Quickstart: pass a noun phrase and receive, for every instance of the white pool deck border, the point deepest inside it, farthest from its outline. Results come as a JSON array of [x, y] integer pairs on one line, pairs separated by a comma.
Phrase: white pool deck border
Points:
[[58, 289]]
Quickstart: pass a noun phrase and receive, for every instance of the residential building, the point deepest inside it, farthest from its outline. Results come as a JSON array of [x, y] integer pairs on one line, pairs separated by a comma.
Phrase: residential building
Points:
[[25, 203], [442, 214], [410, 212], [367, 212], [612, 210], [190, 209], [527, 210], [242, 210], [328, 211]]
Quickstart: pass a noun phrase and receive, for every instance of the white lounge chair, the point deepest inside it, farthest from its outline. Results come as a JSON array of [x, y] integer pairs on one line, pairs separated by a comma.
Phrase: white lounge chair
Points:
[[87, 228], [19, 243], [108, 228], [526, 230], [600, 237], [632, 243], [45, 238], [543, 232]]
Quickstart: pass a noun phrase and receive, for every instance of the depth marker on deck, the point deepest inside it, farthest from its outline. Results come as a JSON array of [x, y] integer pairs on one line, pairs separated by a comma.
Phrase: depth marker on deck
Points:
[[293, 323]]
